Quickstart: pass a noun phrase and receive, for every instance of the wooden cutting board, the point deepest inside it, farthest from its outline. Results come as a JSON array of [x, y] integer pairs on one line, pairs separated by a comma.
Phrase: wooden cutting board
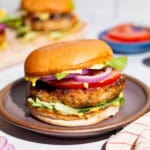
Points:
[[17, 50]]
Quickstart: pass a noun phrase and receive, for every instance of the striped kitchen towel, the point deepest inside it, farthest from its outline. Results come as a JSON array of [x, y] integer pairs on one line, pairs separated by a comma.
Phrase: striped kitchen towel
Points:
[[135, 136]]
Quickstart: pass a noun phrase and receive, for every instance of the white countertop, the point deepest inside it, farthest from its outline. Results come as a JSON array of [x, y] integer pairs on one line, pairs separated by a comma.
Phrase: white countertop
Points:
[[23, 139]]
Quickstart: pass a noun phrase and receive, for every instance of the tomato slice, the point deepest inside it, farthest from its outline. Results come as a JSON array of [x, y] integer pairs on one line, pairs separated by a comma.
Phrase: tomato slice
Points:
[[129, 33], [69, 83]]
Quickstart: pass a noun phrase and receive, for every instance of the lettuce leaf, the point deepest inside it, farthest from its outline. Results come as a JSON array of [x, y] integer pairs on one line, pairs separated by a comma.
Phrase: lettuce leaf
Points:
[[65, 109], [118, 63], [21, 31], [119, 101], [71, 5], [60, 75], [56, 35], [12, 21]]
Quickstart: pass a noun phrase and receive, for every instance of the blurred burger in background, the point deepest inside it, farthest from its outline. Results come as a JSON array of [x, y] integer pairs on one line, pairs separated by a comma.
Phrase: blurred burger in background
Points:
[[35, 24], [49, 15], [55, 17]]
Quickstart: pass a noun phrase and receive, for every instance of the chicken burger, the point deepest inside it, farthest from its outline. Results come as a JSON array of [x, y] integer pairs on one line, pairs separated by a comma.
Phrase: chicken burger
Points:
[[55, 17], [75, 83]]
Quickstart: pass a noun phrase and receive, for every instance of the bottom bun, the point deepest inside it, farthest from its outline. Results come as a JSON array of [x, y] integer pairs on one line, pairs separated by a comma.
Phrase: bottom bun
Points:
[[106, 113]]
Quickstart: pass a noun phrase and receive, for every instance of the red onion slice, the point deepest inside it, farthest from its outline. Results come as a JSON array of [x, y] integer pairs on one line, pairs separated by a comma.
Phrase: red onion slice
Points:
[[48, 78], [94, 78], [2, 27], [71, 75], [3, 142], [82, 77], [4, 145], [86, 71], [51, 77], [9, 147]]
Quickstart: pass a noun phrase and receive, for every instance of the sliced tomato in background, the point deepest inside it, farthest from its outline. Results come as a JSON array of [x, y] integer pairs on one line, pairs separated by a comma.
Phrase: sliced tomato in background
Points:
[[68, 83], [129, 33]]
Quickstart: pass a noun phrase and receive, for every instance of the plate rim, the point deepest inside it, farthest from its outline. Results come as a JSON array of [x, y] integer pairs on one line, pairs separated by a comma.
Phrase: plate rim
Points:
[[74, 131]]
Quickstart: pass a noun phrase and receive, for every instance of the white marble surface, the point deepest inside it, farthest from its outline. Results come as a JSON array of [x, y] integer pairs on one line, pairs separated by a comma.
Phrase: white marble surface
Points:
[[24, 139]]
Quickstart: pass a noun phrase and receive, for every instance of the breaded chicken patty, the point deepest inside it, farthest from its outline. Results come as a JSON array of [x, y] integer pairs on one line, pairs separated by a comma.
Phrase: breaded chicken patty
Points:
[[79, 98]]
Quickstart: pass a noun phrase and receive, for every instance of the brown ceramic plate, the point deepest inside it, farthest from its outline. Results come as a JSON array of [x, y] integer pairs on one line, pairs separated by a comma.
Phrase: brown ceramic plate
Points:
[[13, 109]]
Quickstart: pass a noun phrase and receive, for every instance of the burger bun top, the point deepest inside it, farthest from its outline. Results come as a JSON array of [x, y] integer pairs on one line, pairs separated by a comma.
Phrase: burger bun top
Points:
[[69, 55], [53, 6]]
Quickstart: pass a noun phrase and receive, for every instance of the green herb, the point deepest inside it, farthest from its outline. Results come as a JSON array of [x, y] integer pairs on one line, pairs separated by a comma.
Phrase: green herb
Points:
[[118, 63]]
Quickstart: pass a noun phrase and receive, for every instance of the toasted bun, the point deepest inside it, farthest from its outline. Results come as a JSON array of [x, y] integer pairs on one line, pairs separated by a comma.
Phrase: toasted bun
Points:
[[69, 55], [58, 6], [106, 113]]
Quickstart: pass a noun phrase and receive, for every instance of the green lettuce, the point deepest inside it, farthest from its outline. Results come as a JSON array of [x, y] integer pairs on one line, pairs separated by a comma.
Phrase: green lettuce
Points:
[[56, 35], [21, 31], [60, 75], [65, 109], [14, 22], [71, 5], [119, 101], [118, 63]]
